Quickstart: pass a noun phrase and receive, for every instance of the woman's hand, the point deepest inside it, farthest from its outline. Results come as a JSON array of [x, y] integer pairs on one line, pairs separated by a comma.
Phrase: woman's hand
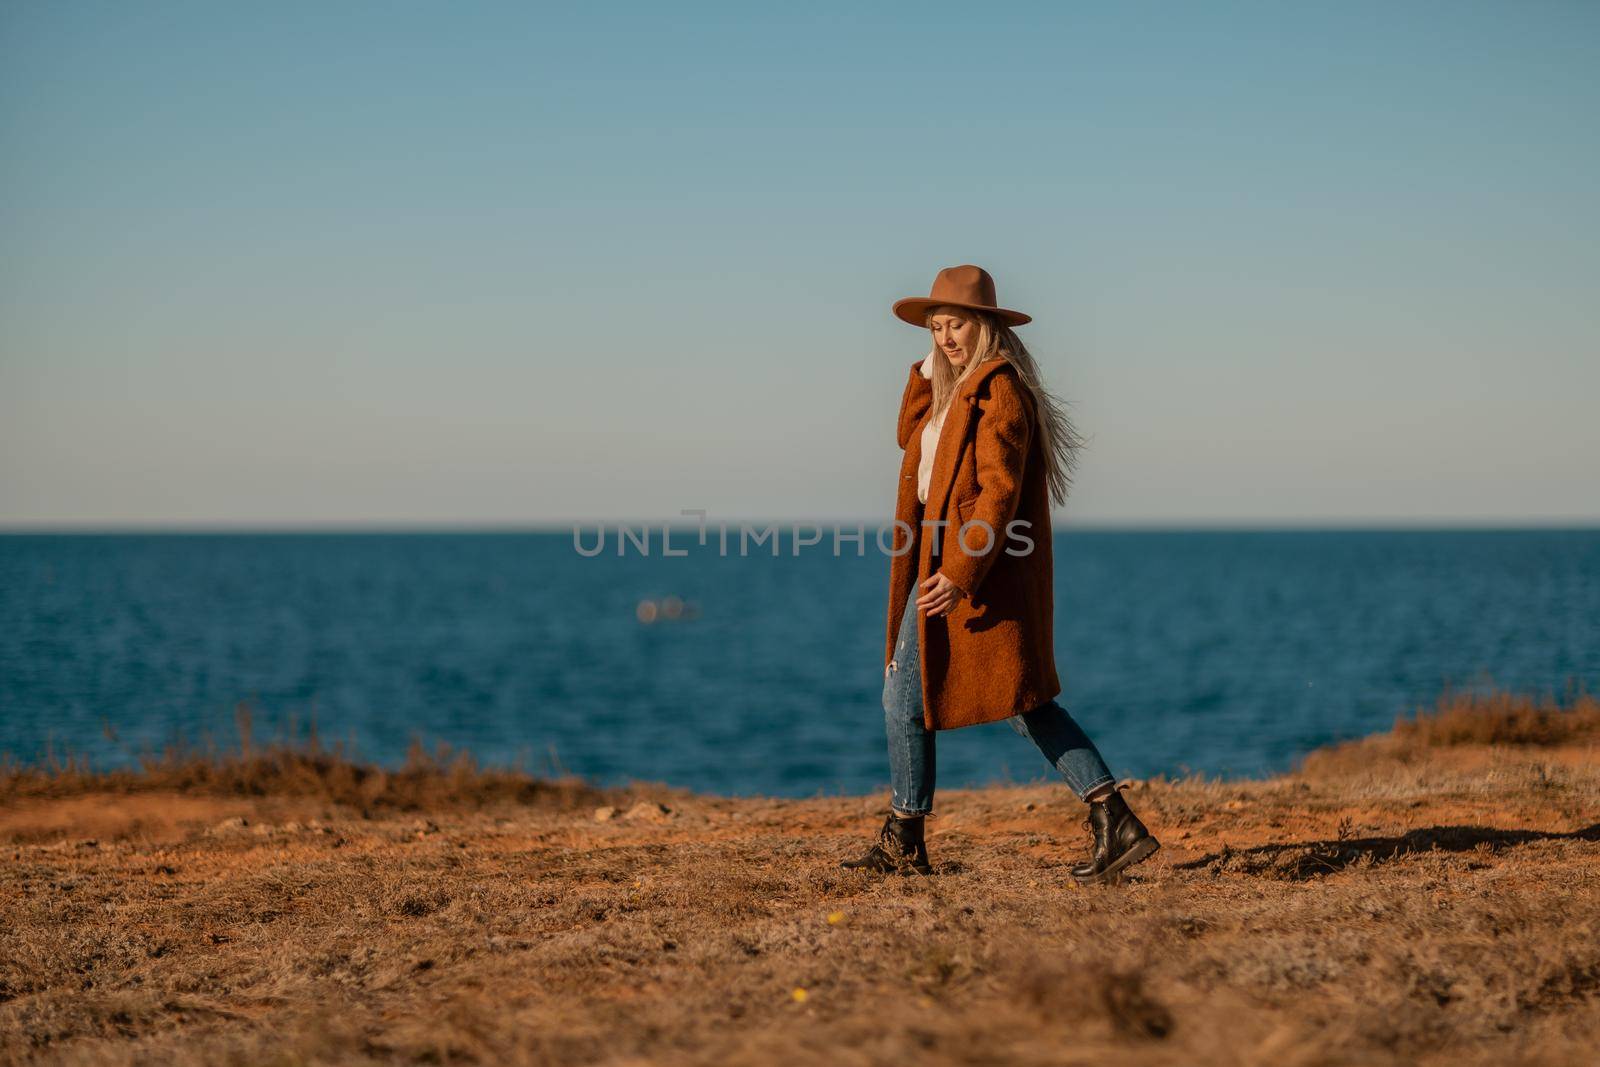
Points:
[[939, 595]]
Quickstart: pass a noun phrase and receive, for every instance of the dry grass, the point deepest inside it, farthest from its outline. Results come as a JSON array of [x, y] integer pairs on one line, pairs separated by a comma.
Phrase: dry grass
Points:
[[294, 766], [1484, 721], [1500, 719], [1411, 905]]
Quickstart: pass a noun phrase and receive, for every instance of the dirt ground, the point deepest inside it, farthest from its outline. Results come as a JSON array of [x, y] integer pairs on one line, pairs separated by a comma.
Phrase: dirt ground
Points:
[[1393, 901]]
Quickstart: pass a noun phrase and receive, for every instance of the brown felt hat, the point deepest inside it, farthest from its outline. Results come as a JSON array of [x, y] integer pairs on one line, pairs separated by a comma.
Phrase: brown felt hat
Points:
[[965, 286]]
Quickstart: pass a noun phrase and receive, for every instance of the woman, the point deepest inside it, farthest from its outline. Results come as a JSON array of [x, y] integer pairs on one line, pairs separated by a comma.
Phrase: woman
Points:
[[986, 448]]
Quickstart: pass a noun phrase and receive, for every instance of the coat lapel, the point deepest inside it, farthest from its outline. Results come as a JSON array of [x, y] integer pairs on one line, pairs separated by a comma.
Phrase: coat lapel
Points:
[[951, 438]]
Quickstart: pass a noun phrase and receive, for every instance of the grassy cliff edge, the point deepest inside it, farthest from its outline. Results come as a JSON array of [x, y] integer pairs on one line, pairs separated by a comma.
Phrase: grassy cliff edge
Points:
[[1427, 895]]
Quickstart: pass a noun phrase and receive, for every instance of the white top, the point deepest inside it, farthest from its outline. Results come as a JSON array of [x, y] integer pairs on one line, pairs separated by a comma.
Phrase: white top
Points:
[[930, 438]]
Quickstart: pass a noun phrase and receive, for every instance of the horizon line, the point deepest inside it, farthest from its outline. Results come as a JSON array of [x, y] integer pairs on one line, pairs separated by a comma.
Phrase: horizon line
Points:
[[785, 525]]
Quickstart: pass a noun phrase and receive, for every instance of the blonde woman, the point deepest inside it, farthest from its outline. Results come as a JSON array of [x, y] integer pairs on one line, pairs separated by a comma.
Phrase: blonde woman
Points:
[[970, 614]]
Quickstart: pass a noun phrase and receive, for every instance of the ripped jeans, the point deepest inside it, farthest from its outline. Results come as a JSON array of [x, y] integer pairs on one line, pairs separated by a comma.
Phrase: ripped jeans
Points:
[[911, 748]]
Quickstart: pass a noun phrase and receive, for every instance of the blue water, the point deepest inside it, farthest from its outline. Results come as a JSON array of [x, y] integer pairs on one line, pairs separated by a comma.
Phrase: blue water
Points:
[[1222, 652]]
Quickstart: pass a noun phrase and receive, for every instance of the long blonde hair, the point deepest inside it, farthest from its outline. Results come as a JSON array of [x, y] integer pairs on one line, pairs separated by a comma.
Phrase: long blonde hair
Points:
[[1059, 440]]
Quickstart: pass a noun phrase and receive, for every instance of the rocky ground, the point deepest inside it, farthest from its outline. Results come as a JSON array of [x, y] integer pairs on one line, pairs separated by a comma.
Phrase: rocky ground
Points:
[[1427, 896]]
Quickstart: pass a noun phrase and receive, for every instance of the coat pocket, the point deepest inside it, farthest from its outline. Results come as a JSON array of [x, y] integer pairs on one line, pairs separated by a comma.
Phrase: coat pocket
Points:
[[964, 509], [977, 541]]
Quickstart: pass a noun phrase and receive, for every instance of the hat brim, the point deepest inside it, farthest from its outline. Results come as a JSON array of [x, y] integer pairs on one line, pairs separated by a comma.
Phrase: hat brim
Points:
[[914, 310]]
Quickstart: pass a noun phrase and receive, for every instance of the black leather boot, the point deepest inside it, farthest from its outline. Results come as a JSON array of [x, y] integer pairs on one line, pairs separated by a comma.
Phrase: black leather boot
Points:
[[898, 850], [1120, 841]]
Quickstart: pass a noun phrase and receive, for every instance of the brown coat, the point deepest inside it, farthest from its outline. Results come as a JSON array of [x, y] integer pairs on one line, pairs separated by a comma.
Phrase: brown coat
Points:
[[993, 655]]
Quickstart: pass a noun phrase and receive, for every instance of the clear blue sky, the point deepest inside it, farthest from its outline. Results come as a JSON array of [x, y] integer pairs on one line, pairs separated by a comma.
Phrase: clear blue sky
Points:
[[306, 263]]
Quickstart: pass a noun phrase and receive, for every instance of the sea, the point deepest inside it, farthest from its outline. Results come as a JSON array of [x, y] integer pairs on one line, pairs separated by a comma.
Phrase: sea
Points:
[[743, 669]]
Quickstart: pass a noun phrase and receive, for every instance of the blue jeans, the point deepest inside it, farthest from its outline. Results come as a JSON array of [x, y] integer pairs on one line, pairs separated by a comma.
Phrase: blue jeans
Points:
[[911, 749]]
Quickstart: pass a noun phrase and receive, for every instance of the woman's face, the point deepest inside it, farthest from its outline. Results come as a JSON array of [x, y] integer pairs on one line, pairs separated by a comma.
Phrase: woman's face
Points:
[[954, 335]]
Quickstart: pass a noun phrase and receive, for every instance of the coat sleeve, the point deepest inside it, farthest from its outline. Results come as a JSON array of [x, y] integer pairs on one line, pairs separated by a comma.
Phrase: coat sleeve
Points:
[[1003, 430], [914, 404]]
